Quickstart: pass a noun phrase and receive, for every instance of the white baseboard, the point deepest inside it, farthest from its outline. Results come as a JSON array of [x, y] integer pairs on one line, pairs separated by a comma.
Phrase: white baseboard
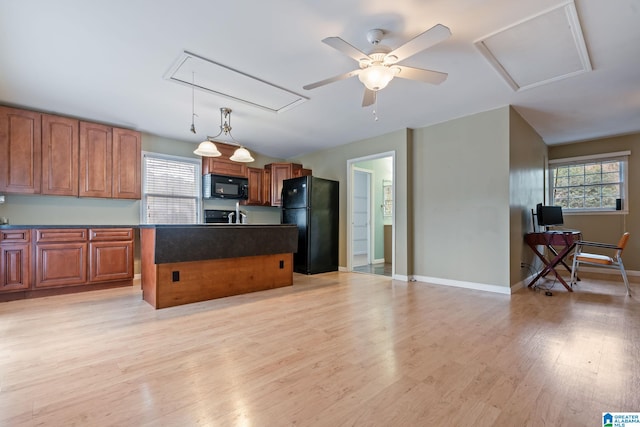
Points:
[[401, 277], [137, 276], [378, 261], [466, 285], [341, 268]]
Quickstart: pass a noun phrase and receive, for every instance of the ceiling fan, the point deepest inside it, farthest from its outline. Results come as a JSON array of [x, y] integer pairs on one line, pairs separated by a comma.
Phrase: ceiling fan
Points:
[[379, 67]]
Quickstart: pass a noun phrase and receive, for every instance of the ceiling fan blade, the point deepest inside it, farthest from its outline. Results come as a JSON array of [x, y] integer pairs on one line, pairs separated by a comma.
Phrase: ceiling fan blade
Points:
[[427, 76], [432, 36], [332, 79], [344, 47], [369, 97]]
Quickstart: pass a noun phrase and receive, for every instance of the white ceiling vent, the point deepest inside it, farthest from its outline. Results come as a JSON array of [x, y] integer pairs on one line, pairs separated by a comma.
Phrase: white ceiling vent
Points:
[[229, 83], [538, 50]]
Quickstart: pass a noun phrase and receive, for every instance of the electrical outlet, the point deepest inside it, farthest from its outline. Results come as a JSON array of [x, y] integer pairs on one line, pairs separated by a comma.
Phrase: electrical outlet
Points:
[[523, 265]]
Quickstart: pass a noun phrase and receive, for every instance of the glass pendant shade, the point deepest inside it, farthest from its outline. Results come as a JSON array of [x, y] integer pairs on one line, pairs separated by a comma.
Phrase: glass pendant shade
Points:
[[207, 149], [242, 155], [376, 77]]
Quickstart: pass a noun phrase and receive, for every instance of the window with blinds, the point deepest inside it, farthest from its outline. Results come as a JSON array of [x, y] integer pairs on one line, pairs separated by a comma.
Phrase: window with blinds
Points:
[[589, 183], [171, 190]]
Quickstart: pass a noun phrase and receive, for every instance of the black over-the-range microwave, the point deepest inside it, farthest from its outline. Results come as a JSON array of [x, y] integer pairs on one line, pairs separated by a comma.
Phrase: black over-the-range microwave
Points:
[[224, 187]]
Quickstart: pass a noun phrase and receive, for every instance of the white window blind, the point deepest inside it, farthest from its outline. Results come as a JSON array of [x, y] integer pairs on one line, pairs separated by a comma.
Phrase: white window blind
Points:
[[171, 190]]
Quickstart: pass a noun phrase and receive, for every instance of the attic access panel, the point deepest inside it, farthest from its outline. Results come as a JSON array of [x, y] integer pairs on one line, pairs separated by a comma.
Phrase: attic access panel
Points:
[[224, 81], [539, 50]]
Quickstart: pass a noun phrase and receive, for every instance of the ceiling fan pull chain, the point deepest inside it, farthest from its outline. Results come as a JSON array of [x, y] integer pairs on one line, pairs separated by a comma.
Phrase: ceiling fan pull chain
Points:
[[375, 108]]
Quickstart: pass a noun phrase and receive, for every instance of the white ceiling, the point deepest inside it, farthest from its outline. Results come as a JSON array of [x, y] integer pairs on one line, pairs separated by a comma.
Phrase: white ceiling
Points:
[[105, 61]]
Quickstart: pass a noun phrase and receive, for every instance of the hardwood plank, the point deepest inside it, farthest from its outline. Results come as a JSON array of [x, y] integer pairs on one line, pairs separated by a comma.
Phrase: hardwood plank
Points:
[[333, 349]]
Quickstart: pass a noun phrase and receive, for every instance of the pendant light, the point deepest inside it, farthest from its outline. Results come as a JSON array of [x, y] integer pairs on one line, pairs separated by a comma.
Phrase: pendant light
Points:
[[241, 154]]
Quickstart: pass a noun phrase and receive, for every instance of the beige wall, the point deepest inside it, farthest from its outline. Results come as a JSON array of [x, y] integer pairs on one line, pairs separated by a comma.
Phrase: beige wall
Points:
[[332, 164], [527, 163], [609, 227], [461, 199]]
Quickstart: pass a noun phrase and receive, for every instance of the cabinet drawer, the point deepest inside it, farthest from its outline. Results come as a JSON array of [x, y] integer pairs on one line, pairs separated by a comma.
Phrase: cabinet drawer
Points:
[[48, 235], [15, 236], [106, 234]]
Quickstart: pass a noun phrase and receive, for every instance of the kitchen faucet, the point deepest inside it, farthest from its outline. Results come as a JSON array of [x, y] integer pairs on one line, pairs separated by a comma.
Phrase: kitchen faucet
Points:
[[241, 217]]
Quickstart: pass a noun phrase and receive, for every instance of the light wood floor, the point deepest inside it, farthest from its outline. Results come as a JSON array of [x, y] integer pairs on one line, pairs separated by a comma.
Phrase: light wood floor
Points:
[[335, 349]]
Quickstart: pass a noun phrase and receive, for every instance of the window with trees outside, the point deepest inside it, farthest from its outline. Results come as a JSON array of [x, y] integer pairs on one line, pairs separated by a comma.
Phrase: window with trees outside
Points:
[[171, 189], [589, 183]]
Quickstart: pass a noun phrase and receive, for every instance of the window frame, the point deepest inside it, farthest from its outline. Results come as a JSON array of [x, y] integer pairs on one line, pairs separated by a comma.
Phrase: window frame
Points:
[[198, 180], [621, 156]]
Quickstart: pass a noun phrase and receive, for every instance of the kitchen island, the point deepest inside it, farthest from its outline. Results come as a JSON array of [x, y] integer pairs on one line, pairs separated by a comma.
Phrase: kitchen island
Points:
[[182, 264]]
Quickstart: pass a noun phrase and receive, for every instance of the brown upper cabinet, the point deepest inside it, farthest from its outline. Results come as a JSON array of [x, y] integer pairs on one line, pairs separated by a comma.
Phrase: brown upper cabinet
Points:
[[59, 155], [20, 151], [280, 172], [55, 155], [109, 162], [96, 160], [254, 175], [126, 164], [222, 165]]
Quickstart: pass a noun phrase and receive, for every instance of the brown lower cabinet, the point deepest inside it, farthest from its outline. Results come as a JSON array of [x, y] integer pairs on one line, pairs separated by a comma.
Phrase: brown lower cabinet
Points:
[[64, 260], [15, 261]]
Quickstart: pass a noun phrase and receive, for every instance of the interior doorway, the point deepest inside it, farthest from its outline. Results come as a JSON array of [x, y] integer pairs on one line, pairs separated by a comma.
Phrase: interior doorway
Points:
[[370, 210], [361, 217]]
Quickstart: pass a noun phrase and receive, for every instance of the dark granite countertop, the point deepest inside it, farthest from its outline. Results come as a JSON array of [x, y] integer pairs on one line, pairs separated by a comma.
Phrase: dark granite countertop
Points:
[[30, 227], [181, 243]]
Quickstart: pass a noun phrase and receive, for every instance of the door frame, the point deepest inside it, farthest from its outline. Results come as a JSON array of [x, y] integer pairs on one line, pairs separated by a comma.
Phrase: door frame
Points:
[[370, 216], [350, 166]]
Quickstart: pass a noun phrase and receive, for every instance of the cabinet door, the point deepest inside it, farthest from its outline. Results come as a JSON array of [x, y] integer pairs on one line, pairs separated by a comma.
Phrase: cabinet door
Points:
[[266, 187], [221, 166], [14, 267], [60, 145], [279, 172], [254, 176], [110, 261], [61, 264], [95, 160], [20, 151], [126, 164]]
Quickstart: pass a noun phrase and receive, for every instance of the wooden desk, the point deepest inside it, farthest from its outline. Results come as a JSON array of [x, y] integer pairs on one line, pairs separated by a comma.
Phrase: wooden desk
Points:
[[566, 240]]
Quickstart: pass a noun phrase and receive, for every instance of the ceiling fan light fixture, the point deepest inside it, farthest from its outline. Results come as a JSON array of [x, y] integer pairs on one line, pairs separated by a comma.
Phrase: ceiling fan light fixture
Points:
[[376, 77], [207, 149], [242, 155]]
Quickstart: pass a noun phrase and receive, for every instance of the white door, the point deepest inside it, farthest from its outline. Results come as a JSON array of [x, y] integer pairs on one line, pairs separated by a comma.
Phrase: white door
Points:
[[361, 217]]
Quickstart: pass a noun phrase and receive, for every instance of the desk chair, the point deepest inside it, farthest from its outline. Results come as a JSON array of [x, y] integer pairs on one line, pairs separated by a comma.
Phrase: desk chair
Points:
[[614, 261]]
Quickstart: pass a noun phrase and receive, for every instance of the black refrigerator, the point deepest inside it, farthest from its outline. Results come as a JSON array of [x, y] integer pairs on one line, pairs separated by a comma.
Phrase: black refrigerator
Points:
[[312, 204]]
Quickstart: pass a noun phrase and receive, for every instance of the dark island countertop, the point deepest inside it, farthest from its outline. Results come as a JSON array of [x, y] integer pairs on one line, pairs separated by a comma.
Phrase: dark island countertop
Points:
[[199, 242]]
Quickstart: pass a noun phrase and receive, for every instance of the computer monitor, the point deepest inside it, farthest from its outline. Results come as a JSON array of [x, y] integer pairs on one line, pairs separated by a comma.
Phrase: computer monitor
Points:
[[549, 215]]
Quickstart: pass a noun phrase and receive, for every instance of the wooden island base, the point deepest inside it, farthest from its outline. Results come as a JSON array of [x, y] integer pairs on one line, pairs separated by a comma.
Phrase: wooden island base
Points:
[[217, 278], [186, 264]]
